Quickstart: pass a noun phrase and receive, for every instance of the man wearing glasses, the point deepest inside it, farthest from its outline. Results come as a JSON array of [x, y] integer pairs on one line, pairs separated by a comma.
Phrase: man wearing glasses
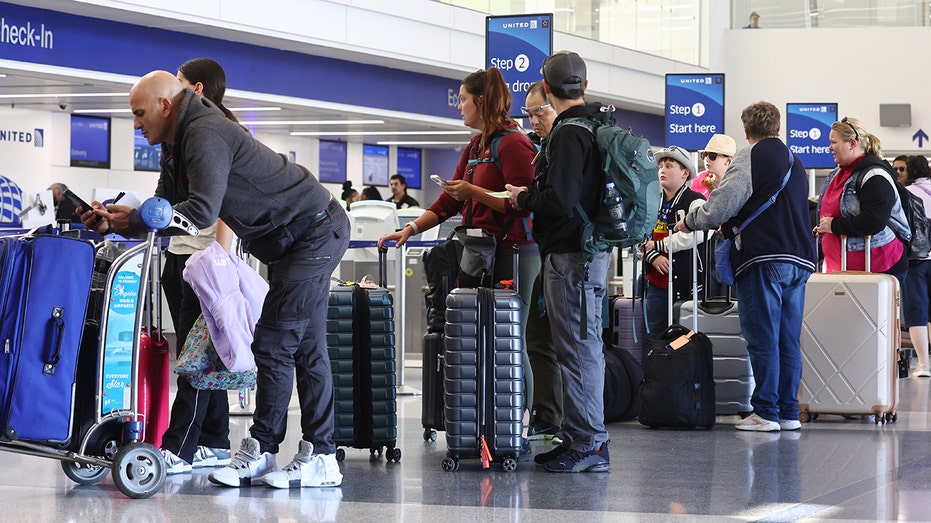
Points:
[[899, 164]]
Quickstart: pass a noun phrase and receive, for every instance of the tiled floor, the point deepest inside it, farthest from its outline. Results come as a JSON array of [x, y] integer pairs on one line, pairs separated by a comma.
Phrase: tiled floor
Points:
[[833, 469]]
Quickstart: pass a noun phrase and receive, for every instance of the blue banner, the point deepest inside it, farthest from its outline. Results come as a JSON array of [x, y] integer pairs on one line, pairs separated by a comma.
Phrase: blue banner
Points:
[[808, 129], [40, 36], [694, 109], [374, 165], [409, 164], [517, 46]]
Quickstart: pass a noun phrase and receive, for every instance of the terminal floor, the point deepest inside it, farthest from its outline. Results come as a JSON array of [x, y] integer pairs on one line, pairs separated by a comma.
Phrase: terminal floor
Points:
[[833, 469]]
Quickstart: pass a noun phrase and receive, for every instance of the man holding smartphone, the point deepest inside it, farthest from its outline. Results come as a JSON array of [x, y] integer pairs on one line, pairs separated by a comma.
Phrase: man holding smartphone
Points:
[[286, 219]]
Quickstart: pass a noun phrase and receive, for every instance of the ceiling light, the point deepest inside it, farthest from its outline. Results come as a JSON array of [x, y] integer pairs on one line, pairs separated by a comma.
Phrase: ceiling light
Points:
[[60, 95], [108, 111], [313, 122], [254, 109], [376, 133], [415, 142]]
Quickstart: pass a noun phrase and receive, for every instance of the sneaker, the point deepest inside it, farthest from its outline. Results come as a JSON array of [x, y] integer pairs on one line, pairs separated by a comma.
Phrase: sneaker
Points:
[[790, 424], [247, 465], [595, 460], [546, 457], [176, 465], [210, 457], [757, 424], [922, 372], [307, 470], [540, 429]]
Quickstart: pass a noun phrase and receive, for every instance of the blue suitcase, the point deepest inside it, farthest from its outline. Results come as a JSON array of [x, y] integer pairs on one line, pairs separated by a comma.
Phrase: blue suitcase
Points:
[[44, 286]]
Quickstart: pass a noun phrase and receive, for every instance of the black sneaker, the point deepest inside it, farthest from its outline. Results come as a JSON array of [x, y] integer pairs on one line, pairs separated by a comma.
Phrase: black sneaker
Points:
[[540, 429], [596, 460], [546, 457]]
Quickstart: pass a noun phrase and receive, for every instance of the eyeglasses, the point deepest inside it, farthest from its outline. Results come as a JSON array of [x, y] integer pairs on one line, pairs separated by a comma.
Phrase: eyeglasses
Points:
[[713, 156], [852, 128], [536, 110], [900, 169]]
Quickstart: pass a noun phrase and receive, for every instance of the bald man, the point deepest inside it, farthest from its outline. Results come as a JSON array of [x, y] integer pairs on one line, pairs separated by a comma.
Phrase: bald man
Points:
[[287, 220]]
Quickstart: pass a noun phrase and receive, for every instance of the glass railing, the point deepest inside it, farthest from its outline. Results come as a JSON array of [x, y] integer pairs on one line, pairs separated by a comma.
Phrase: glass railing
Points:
[[671, 29], [830, 13]]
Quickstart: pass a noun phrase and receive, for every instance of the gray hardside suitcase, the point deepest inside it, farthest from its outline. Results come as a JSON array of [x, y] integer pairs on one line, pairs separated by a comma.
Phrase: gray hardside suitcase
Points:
[[483, 377]]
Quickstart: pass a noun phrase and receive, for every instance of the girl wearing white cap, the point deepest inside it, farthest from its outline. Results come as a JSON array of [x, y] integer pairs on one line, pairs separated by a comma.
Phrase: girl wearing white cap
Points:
[[717, 156]]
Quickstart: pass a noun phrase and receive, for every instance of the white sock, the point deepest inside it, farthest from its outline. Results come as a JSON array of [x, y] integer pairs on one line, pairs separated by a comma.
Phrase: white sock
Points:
[[919, 337]]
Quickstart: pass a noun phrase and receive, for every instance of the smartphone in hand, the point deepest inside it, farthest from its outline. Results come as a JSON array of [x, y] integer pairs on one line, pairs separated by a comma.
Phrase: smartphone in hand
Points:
[[438, 180]]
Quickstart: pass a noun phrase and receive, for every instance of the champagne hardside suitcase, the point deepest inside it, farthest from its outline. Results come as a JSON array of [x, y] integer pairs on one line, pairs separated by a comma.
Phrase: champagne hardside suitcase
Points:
[[850, 342]]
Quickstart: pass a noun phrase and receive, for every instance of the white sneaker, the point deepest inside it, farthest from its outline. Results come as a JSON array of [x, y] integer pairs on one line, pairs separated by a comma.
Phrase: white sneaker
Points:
[[307, 470], [246, 466], [790, 424], [210, 457], [757, 424], [176, 465], [922, 372]]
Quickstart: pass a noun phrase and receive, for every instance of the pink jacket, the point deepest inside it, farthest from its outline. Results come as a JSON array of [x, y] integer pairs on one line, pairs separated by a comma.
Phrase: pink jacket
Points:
[[231, 296]]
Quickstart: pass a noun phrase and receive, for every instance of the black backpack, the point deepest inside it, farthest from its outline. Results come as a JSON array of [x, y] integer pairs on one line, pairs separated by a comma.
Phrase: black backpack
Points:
[[623, 374], [441, 268]]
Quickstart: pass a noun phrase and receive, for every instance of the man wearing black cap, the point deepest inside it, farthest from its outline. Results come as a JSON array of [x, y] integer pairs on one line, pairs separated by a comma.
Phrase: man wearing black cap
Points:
[[569, 174]]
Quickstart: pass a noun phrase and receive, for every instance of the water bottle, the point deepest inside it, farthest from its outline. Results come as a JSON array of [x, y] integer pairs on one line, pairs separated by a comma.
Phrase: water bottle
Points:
[[102, 262], [617, 217]]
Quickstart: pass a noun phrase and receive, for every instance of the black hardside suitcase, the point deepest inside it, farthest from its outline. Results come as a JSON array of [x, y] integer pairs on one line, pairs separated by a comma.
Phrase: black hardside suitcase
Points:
[[432, 416], [360, 340], [44, 285], [484, 377]]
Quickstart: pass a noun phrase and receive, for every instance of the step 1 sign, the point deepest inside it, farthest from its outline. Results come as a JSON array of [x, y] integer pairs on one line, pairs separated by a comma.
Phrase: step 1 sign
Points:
[[808, 127], [517, 46], [694, 109]]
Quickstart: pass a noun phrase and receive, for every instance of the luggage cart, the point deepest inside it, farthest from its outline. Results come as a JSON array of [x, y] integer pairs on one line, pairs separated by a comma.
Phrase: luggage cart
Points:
[[107, 425]]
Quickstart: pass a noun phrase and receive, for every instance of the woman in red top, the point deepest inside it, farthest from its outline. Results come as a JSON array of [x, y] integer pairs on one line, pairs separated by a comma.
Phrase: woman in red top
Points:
[[860, 199], [499, 154], [485, 102]]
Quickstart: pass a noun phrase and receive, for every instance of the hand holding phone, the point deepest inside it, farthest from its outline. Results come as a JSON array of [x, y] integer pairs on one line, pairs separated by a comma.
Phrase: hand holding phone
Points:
[[438, 180], [76, 201]]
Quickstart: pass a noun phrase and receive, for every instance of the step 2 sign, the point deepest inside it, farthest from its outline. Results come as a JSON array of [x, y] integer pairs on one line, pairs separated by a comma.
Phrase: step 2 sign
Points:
[[808, 129], [517, 46], [694, 109]]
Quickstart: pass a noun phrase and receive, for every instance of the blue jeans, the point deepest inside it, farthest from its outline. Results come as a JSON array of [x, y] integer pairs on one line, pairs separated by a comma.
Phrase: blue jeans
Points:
[[915, 295], [772, 302]]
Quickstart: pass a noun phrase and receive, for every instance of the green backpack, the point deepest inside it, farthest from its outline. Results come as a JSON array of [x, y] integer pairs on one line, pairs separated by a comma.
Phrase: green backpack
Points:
[[628, 162]]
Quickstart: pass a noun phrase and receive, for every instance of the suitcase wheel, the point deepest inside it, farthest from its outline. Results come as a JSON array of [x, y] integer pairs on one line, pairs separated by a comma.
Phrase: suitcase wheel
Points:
[[394, 454], [429, 435], [340, 455], [375, 453], [509, 465], [83, 473], [139, 470], [450, 464]]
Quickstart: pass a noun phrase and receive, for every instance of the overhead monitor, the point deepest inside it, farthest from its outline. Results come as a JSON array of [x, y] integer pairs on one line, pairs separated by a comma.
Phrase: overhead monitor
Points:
[[90, 141], [374, 165], [409, 166], [332, 167], [145, 157]]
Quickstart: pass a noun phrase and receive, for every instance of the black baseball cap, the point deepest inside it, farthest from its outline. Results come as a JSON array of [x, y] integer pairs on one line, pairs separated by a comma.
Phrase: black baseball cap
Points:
[[565, 70]]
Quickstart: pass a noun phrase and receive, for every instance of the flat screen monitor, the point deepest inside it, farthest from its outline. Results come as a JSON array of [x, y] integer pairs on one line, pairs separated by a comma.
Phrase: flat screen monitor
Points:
[[409, 162], [90, 141], [374, 165], [145, 157], [332, 167]]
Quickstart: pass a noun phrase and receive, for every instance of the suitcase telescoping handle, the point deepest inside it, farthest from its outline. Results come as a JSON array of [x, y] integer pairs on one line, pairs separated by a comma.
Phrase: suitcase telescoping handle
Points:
[[669, 288], [843, 253], [383, 267]]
